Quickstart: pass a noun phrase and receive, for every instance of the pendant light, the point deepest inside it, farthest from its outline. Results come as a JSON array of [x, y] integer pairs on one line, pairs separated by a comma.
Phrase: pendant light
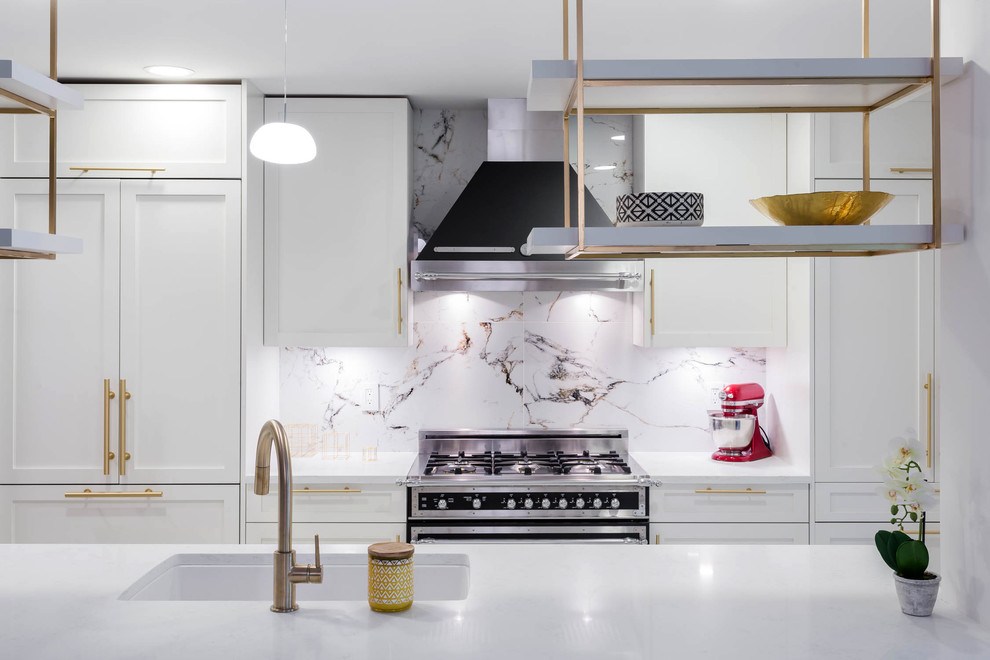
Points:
[[279, 141]]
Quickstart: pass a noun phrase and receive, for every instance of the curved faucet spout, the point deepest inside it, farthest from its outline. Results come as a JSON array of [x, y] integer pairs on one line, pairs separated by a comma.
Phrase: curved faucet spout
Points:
[[271, 432]]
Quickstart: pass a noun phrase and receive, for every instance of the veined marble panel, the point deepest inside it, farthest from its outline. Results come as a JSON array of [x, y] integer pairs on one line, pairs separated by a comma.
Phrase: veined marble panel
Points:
[[510, 360], [600, 150]]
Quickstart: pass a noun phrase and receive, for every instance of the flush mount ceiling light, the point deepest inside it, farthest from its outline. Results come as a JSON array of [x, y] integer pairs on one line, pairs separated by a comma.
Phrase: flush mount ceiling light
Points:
[[279, 141], [169, 71]]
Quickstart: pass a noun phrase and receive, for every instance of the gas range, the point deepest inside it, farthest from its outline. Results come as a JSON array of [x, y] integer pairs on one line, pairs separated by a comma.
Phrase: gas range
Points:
[[515, 486]]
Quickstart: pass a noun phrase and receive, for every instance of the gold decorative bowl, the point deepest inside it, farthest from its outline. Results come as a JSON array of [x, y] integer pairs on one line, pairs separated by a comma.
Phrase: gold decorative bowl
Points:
[[822, 208]]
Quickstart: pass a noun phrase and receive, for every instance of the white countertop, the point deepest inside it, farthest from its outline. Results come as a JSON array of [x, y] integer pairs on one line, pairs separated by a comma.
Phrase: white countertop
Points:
[[668, 466], [525, 601]]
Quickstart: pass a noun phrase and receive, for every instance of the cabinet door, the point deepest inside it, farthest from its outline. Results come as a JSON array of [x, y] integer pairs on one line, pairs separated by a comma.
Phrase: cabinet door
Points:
[[362, 533], [729, 533], [851, 502], [336, 228], [863, 533], [900, 137], [181, 514], [331, 502], [186, 131], [713, 302], [180, 330], [874, 345], [58, 337], [704, 502]]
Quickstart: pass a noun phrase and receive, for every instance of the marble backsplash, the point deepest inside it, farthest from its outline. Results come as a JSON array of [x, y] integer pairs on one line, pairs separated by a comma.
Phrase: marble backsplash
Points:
[[514, 360], [510, 360]]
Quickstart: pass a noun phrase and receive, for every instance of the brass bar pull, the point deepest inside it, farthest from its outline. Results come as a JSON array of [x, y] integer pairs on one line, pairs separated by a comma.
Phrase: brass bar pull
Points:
[[307, 489], [397, 538], [902, 170], [927, 532], [658, 540], [88, 493], [653, 306], [107, 454], [928, 424], [118, 169], [124, 455], [400, 300], [748, 491]]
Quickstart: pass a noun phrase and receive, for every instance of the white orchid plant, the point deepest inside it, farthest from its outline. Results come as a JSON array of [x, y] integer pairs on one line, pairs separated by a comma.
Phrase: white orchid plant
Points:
[[904, 482]]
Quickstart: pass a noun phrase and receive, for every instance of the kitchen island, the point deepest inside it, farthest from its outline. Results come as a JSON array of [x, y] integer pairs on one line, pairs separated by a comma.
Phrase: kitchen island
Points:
[[525, 601]]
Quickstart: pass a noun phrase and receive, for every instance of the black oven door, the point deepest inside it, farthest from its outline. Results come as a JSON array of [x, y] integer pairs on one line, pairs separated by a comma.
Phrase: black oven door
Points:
[[528, 531]]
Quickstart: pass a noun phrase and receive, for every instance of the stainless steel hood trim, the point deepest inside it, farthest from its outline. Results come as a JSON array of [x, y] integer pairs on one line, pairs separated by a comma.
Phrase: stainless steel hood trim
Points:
[[458, 275]]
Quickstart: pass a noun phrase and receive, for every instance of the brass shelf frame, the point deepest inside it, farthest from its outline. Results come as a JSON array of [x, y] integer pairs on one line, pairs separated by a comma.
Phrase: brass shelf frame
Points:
[[52, 114], [575, 106]]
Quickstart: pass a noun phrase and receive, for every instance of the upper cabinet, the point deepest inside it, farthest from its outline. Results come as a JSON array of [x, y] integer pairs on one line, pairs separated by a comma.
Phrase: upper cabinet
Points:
[[730, 159], [337, 227], [133, 131]]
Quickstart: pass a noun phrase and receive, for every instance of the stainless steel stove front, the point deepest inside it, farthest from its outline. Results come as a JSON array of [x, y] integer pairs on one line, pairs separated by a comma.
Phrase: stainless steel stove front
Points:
[[543, 500]]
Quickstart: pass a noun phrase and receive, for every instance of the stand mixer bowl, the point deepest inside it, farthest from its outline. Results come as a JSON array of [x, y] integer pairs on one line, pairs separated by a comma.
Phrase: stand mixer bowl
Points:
[[731, 433]]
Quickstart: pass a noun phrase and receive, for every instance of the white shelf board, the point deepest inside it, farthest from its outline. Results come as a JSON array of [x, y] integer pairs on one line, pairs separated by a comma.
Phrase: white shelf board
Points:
[[33, 241], [33, 86], [743, 83], [560, 240]]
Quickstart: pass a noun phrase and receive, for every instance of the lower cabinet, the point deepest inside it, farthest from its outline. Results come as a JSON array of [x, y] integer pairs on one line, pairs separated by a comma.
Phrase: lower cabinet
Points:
[[302, 533], [860, 533], [113, 514], [858, 502], [729, 503], [729, 533]]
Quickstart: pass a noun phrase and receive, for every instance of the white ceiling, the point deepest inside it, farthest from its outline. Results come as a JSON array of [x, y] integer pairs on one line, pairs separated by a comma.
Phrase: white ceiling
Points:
[[438, 52]]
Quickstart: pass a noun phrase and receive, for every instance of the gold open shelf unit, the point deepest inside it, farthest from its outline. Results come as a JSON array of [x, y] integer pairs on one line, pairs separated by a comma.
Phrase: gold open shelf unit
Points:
[[896, 77], [24, 105]]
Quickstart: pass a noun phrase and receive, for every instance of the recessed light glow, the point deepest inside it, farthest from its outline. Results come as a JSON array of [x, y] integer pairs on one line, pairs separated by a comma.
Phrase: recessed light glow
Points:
[[603, 168], [168, 71], [619, 138]]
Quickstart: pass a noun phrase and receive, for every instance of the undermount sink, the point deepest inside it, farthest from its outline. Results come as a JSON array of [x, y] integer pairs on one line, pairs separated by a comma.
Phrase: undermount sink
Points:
[[249, 577]]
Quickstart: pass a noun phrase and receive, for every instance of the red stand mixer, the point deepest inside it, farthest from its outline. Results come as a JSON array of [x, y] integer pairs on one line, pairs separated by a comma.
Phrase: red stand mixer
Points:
[[736, 428]]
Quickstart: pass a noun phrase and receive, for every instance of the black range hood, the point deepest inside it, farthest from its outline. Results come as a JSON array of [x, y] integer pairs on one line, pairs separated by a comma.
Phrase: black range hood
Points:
[[478, 246]]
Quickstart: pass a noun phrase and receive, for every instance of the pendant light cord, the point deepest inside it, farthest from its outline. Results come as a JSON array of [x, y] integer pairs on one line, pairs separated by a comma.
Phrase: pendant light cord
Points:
[[285, 49]]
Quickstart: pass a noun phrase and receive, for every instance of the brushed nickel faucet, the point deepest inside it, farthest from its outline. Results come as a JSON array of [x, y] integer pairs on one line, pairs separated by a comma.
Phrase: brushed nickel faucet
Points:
[[287, 573]]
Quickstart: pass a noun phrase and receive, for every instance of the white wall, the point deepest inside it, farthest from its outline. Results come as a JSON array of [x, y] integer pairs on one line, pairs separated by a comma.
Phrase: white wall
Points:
[[963, 347]]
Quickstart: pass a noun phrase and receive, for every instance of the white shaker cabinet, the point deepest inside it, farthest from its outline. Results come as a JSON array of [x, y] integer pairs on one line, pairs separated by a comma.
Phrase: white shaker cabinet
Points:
[[360, 533], [133, 131], [140, 513], [874, 347], [713, 302], [337, 228], [153, 300]]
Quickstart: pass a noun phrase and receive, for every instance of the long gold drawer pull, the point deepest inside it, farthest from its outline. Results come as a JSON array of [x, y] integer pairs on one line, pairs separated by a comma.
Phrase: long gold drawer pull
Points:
[[748, 491], [326, 490], [902, 170], [89, 493], [107, 454], [927, 532], [928, 425], [653, 303], [400, 300], [118, 169], [124, 455]]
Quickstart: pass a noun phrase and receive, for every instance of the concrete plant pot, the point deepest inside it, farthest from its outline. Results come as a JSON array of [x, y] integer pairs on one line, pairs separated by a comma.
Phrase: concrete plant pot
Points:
[[917, 596]]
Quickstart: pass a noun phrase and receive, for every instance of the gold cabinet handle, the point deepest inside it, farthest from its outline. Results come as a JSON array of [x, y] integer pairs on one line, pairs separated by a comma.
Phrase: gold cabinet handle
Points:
[[326, 490], [918, 531], [928, 425], [902, 170], [400, 300], [653, 305], [107, 454], [658, 540], [397, 538], [88, 493], [124, 455], [748, 491], [118, 169]]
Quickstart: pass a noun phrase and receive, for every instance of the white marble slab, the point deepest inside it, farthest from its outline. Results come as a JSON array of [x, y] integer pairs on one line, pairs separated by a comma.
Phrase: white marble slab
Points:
[[692, 467]]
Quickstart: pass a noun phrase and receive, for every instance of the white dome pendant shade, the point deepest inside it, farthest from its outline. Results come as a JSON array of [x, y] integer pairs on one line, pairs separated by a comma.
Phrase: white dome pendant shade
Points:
[[280, 142], [283, 144]]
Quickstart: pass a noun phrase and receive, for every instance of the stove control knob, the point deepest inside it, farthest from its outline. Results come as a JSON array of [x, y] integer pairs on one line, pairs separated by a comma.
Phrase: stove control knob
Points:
[[562, 503], [441, 504], [615, 503], [545, 503], [579, 503], [597, 503], [528, 503], [476, 503], [510, 503]]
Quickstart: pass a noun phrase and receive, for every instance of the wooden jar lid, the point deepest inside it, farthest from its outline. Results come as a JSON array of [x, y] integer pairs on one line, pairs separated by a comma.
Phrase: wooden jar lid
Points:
[[391, 550]]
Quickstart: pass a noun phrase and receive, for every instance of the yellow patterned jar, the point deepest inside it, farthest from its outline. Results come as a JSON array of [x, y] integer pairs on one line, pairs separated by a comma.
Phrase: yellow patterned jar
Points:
[[390, 576]]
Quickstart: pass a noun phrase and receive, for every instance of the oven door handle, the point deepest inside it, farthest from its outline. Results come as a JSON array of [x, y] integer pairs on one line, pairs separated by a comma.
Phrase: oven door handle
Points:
[[518, 539]]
